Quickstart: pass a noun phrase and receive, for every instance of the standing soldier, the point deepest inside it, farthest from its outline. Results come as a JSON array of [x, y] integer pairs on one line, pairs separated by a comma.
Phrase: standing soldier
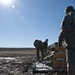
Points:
[[68, 35], [45, 43]]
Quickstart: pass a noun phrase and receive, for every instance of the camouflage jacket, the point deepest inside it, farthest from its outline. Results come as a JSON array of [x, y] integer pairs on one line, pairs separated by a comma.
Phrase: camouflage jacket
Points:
[[68, 29]]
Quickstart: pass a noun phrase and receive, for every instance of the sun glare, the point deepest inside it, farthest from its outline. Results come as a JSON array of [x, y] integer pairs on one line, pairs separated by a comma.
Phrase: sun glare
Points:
[[6, 2]]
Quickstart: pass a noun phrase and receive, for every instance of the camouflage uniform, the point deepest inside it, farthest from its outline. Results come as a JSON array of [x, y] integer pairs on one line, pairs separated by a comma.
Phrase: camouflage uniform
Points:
[[68, 35]]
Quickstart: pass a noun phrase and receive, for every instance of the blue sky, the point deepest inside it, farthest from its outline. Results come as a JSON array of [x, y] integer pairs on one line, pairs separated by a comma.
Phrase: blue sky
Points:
[[23, 21]]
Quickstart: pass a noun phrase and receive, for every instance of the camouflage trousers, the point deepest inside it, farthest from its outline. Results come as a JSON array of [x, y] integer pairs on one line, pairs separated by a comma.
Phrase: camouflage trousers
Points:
[[71, 61]]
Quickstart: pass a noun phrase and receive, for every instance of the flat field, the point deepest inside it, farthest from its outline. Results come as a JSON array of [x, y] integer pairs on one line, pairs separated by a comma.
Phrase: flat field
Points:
[[17, 51]]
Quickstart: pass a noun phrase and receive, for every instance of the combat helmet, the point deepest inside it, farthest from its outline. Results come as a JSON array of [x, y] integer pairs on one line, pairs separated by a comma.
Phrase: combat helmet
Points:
[[46, 39], [69, 9]]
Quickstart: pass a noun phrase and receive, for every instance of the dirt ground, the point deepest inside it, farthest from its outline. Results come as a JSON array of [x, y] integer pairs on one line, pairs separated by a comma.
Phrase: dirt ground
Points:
[[17, 62], [21, 65]]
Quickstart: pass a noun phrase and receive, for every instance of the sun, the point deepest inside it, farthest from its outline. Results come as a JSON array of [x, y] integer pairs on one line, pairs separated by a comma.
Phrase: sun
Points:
[[6, 2]]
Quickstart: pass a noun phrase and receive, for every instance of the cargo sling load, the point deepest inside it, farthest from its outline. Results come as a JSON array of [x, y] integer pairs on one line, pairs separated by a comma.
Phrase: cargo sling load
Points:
[[54, 62]]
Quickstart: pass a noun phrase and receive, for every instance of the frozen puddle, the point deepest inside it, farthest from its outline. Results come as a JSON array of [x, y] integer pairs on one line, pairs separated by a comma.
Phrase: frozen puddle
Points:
[[7, 58]]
